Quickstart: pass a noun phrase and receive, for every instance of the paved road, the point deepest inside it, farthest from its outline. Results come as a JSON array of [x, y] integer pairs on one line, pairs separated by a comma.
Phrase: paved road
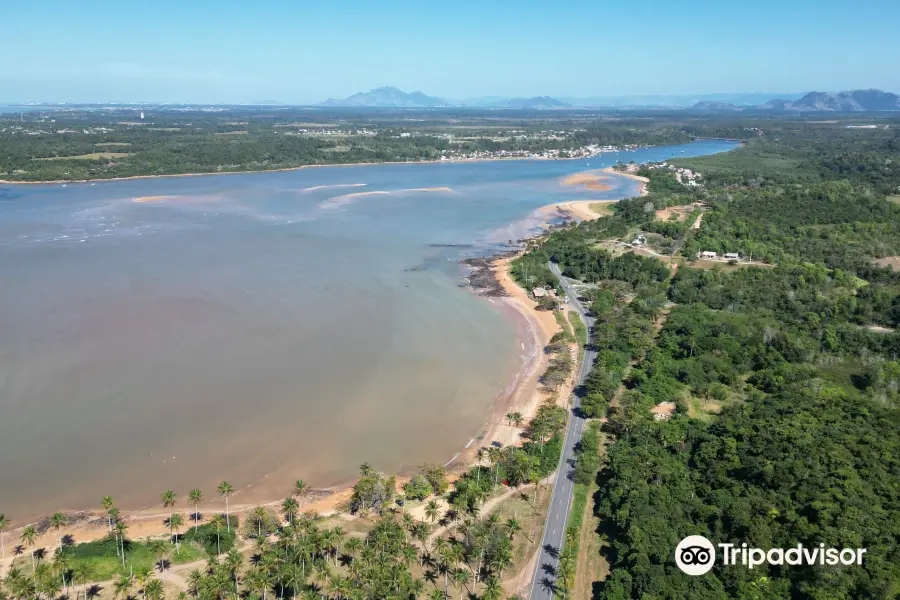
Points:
[[544, 581]]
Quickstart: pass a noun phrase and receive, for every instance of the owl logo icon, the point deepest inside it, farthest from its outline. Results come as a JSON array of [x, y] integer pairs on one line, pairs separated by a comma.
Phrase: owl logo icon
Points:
[[695, 555]]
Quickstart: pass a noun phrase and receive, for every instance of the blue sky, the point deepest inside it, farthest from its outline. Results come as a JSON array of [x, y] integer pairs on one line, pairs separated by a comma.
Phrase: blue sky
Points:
[[303, 52]]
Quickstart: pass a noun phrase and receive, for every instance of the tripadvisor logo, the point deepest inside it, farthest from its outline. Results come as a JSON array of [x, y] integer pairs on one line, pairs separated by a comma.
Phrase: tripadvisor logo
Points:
[[696, 555]]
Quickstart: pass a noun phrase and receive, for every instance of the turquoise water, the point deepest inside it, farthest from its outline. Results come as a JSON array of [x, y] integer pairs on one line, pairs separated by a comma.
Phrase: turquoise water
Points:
[[257, 327]]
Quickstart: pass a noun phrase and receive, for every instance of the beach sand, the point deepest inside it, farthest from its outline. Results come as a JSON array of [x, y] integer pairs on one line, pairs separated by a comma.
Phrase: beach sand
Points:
[[642, 180], [588, 180], [578, 209], [150, 198]]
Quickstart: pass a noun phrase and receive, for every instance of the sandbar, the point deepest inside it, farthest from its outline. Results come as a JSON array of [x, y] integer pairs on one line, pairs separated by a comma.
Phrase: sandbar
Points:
[[588, 180]]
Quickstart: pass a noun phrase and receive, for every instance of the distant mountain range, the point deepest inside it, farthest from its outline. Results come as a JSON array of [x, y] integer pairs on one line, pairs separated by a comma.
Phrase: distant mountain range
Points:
[[389, 97], [848, 101]]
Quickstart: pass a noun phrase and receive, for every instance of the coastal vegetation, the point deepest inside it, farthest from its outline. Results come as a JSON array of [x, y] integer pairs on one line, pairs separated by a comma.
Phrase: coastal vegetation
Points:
[[83, 144], [783, 376], [457, 546]]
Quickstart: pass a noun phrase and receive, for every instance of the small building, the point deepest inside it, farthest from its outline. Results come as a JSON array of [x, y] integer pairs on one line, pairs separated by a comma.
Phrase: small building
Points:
[[708, 254], [539, 292], [639, 241], [732, 256]]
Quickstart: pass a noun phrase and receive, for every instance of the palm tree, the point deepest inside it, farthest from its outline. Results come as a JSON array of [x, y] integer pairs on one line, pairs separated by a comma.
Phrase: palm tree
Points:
[[121, 529], [300, 488], [225, 489], [513, 527], [195, 497], [82, 571], [289, 508], [57, 521], [217, 522], [175, 523], [461, 578], [143, 575], [63, 564], [28, 537], [154, 590], [169, 499], [106, 504], [4, 523], [432, 510], [492, 589], [123, 585]]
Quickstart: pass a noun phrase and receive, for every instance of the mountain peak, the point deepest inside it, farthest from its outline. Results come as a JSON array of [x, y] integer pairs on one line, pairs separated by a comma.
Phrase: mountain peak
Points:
[[388, 96]]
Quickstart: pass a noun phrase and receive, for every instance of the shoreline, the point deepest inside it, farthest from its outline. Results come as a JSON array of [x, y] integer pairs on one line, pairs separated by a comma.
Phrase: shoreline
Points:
[[492, 280], [642, 181], [298, 167]]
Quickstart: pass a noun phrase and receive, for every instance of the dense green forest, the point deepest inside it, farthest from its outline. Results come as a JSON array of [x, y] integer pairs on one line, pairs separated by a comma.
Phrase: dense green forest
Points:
[[786, 426]]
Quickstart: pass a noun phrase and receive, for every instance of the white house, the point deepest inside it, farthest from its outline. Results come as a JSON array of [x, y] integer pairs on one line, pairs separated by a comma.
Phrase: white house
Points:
[[732, 255], [707, 254]]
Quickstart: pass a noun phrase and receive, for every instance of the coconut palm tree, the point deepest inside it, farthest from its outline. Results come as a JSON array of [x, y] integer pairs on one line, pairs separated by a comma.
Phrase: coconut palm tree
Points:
[[169, 499], [57, 521], [225, 490], [123, 585], [82, 571], [492, 589], [217, 521], [63, 564], [4, 523], [513, 527], [106, 504], [28, 538], [154, 590], [432, 511], [175, 523], [289, 508], [195, 497], [121, 529], [461, 579], [300, 488]]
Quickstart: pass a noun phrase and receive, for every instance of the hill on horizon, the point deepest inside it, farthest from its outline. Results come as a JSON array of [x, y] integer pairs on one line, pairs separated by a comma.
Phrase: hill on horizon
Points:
[[388, 96]]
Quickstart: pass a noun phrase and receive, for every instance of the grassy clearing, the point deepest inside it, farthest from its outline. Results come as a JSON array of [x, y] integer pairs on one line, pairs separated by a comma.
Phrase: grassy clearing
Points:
[[590, 565], [603, 209], [894, 199], [563, 324], [532, 520], [103, 564], [91, 156], [581, 336]]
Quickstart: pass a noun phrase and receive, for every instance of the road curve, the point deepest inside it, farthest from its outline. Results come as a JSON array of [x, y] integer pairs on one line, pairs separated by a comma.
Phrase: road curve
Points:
[[544, 583]]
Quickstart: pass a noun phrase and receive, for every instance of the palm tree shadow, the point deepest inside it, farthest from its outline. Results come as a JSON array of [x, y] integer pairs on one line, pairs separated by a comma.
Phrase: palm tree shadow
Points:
[[68, 540], [94, 591], [164, 564], [19, 550]]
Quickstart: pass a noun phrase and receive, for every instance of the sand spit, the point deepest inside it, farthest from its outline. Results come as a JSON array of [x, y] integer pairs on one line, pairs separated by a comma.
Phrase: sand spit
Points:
[[580, 210], [336, 185], [642, 188], [588, 180], [345, 199], [339, 201], [143, 199]]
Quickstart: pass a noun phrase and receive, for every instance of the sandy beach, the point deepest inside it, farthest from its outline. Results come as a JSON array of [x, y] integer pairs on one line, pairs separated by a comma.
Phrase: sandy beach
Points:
[[642, 180]]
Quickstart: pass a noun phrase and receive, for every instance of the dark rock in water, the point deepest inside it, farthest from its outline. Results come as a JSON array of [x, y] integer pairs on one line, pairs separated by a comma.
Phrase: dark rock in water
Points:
[[450, 246], [481, 278], [415, 268]]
